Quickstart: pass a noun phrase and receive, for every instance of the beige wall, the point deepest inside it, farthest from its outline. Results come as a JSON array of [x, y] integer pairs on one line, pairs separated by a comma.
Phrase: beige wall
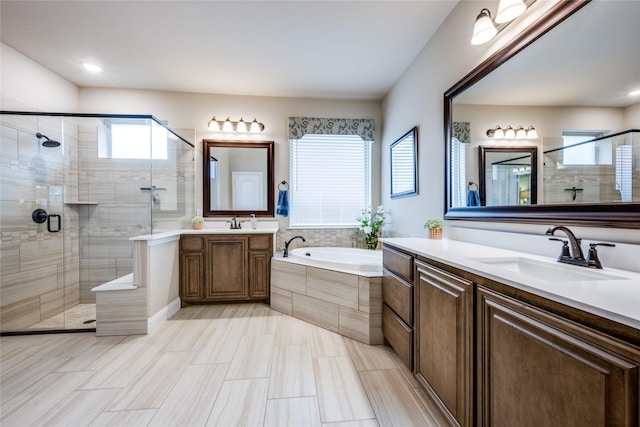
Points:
[[27, 86]]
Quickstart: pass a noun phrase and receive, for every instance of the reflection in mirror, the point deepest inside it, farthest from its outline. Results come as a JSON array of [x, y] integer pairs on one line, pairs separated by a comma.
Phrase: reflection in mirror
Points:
[[538, 79], [404, 169], [238, 178], [509, 176]]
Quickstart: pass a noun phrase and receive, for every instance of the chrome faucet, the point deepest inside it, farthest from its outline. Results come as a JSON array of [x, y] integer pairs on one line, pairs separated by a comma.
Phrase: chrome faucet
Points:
[[576, 257], [288, 242], [235, 225]]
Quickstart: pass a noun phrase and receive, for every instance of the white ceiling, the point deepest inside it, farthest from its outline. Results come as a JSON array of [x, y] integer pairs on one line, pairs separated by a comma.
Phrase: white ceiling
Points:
[[327, 49]]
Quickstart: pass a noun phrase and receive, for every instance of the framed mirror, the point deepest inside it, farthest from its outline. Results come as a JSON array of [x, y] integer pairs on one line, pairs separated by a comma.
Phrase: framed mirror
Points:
[[538, 80], [404, 165], [508, 176], [238, 178]]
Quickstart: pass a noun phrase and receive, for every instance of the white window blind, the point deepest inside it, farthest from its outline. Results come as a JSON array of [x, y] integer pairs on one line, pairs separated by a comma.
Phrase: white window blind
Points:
[[330, 180]]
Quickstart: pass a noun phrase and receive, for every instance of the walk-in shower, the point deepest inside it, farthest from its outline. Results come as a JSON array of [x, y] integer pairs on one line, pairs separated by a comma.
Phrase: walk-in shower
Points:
[[67, 211]]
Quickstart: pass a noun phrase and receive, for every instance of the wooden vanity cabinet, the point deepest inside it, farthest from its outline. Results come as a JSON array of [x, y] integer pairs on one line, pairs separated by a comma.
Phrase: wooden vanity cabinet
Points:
[[225, 267], [444, 341], [397, 309], [538, 369]]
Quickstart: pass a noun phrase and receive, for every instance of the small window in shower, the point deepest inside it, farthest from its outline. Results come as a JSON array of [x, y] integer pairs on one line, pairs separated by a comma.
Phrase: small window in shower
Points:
[[132, 139], [577, 151]]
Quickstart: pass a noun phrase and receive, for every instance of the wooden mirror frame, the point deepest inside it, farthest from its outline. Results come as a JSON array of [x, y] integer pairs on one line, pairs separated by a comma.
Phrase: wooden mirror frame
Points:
[[482, 167], [623, 215], [208, 144]]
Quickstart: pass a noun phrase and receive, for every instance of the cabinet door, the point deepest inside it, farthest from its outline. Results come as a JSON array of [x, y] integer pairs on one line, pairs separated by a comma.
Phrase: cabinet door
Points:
[[191, 268], [226, 274], [259, 274], [444, 357], [537, 369]]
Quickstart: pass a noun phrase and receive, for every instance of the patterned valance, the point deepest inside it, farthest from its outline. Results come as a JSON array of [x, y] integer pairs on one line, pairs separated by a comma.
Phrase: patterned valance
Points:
[[462, 132], [300, 126]]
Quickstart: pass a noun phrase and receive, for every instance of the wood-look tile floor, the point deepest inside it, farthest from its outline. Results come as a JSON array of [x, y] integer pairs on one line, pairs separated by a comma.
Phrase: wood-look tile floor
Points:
[[214, 365]]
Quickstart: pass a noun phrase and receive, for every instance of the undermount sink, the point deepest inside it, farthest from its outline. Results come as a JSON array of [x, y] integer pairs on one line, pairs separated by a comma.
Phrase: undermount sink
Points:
[[548, 271]]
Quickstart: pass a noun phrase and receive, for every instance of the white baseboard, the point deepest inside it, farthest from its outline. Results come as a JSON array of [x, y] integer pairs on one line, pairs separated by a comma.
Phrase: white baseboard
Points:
[[162, 316]]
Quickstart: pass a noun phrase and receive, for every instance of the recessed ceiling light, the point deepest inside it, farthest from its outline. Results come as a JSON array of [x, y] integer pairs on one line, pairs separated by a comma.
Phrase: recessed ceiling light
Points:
[[634, 92], [92, 67]]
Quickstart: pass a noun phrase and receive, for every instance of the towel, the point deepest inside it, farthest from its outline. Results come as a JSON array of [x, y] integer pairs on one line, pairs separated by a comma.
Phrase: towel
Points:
[[283, 203], [473, 198]]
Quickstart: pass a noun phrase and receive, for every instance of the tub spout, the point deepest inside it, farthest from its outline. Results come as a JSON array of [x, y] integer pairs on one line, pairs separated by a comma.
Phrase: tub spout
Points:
[[288, 242]]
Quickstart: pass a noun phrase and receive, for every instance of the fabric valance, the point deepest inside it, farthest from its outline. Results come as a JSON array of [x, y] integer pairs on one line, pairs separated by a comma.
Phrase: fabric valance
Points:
[[300, 126], [462, 132]]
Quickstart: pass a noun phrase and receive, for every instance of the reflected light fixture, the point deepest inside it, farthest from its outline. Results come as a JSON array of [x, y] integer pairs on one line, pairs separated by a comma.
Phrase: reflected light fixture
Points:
[[508, 132], [230, 126], [508, 10], [483, 30]]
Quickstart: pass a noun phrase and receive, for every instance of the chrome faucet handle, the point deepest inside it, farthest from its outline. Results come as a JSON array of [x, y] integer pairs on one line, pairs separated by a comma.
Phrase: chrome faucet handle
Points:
[[565, 248], [592, 258]]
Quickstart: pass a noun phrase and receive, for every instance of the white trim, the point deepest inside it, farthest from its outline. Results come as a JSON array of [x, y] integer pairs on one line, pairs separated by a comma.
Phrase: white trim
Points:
[[164, 314]]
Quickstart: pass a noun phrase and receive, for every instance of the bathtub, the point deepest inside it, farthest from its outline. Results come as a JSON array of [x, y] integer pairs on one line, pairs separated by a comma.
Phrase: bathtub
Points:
[[339, 289], [339, 259]]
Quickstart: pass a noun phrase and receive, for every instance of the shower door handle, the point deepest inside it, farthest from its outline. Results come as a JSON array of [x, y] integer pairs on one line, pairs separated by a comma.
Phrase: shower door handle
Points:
[[59, 225]]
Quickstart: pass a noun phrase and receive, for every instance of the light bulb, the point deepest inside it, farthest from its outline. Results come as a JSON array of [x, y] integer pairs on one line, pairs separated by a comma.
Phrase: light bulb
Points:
[[255, 127], [508, 10], [531, 132], [241, 126], [214, 126], [227, 126], [483, 30], [521, 133], [509, 132], [499, 133]]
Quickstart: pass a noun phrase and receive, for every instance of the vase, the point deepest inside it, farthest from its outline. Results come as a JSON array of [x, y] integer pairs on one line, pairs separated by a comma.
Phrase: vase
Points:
[[372, 241], [197, 226], [435, 233]]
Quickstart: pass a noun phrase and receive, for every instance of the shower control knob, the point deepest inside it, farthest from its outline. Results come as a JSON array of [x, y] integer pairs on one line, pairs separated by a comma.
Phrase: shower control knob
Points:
[[39, 216]]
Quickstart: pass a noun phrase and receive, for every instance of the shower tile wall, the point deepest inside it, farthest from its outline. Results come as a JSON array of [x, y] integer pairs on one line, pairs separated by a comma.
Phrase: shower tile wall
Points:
[[122, 211], [38, 278]]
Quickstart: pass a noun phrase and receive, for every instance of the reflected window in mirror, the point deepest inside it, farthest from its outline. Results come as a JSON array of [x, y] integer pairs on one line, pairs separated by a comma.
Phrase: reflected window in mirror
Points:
[[404, 165], [238, 178]]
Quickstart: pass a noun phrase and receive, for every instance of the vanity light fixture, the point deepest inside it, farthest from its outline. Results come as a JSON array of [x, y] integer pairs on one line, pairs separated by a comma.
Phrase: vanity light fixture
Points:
[[508, 132], [483, 30], [240, 126]]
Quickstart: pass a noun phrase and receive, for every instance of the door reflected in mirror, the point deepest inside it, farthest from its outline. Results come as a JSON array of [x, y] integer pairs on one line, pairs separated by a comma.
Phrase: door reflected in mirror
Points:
[[238, 178]]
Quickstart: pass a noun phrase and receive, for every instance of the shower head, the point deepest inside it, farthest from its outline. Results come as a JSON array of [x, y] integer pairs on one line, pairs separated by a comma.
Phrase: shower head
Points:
[[47, 142]]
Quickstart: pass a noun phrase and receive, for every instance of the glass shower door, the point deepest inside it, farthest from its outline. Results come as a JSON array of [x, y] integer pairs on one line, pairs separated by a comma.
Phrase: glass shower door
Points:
[[36, 284]]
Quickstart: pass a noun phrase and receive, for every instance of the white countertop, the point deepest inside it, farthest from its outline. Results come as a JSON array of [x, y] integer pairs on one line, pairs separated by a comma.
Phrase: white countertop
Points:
[[215, 227], [614, 299]]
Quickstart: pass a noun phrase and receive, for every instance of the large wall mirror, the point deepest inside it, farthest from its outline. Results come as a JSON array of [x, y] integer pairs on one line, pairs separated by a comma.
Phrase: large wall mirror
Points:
[[238, 178], [569, 76]]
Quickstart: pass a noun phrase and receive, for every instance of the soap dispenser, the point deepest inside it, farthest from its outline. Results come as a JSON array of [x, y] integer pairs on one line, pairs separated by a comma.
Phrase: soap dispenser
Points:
[[254, 222]]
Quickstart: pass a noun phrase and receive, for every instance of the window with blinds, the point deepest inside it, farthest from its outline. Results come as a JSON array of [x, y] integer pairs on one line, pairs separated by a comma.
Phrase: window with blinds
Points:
[[330, 180]]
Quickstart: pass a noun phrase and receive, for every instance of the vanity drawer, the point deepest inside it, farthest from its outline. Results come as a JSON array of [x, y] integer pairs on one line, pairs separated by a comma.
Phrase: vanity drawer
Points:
[[260, 241], [191, 243], [398, 335], [398, 295], [398, 262]]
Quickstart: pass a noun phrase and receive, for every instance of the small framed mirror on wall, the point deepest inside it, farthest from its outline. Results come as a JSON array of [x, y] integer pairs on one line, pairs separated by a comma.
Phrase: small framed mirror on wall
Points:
[[238, 178], [404, 165]]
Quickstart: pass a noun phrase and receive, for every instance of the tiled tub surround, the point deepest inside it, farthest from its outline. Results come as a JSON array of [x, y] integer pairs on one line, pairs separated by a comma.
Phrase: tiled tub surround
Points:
[[349, 303]]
